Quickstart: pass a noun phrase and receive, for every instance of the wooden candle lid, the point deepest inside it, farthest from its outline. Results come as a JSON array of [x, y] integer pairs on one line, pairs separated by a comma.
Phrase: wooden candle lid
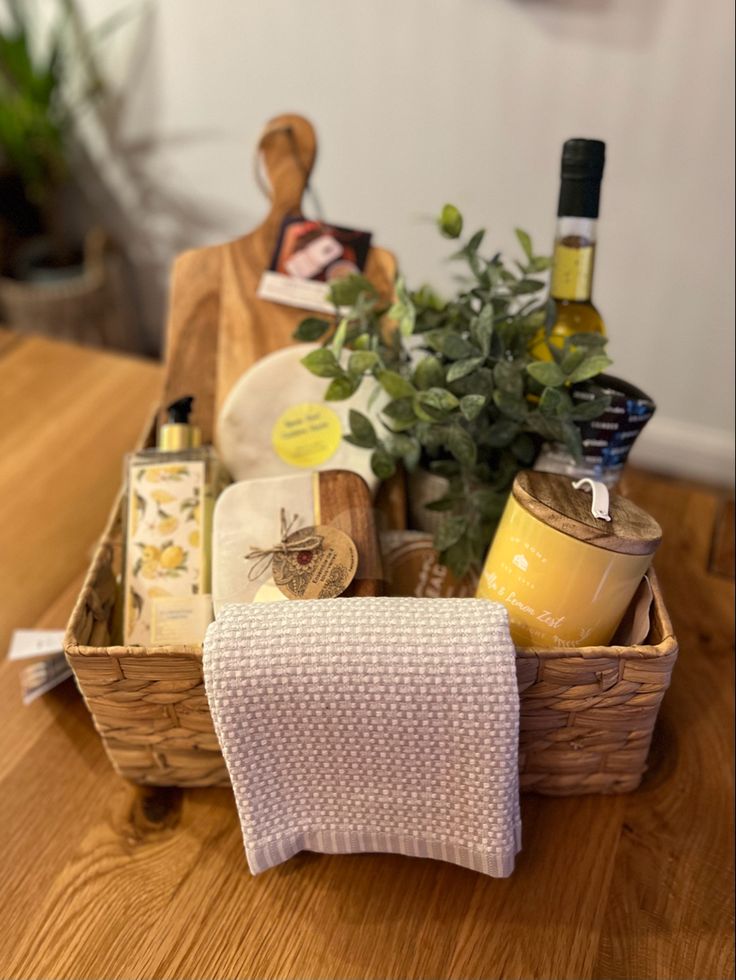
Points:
[[551, 498]]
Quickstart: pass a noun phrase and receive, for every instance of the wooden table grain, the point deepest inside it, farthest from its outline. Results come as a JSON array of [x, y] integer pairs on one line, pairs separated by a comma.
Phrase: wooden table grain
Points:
[[102, 879]]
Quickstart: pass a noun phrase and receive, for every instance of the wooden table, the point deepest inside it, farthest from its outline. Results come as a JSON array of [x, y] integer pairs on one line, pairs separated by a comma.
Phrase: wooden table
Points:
[[102, 879]]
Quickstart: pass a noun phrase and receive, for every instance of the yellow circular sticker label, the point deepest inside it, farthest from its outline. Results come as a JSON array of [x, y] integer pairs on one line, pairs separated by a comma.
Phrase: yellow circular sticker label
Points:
[[306, 435]]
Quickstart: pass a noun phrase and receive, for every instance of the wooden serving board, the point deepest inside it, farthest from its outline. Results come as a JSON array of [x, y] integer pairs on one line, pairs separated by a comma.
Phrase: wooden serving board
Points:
[[344, 501], [217, 326]]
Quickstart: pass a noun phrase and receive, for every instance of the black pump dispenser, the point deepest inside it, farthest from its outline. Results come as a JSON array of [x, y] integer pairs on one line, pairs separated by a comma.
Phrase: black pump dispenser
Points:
[[177, 433], [179, 412]]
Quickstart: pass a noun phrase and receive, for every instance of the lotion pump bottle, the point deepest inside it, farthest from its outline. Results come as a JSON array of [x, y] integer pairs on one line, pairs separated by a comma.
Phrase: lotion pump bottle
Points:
[[168, 535]]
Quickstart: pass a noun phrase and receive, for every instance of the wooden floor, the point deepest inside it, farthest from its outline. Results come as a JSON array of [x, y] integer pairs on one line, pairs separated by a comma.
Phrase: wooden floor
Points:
[[103, 880]]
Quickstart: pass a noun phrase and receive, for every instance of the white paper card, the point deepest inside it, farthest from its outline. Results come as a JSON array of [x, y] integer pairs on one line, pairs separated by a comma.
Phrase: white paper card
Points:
[[305, 294], [25, 644]]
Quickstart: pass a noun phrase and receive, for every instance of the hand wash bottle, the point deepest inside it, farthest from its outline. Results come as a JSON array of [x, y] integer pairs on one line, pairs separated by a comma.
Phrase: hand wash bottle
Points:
[[168, 535]]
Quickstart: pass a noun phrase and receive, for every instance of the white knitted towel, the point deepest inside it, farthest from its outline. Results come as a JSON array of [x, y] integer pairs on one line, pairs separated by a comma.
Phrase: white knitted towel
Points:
[[369, 724]]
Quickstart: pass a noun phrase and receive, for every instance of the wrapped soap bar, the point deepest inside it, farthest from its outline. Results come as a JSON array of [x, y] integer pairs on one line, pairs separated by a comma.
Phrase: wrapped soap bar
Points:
[[327, 516]]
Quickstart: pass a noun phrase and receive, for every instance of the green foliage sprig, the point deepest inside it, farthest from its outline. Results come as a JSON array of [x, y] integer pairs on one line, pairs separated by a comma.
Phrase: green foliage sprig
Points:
[[474, 384]]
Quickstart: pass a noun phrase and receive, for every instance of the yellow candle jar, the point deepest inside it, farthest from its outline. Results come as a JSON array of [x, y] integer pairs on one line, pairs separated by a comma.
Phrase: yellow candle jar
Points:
[[565, 575]]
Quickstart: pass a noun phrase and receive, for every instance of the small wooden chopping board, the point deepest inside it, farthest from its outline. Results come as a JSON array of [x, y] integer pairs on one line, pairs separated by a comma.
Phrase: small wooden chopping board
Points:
[[217, 326]]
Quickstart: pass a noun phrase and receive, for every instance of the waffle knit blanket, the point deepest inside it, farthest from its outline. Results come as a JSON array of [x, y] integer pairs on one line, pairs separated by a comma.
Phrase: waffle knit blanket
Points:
[[369, 724]]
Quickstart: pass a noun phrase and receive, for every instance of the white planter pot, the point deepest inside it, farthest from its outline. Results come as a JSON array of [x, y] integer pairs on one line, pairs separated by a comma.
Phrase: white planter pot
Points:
[[424, 487]]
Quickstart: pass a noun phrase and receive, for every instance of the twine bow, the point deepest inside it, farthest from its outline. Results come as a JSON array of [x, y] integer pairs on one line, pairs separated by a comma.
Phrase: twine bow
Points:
[[262, 557]]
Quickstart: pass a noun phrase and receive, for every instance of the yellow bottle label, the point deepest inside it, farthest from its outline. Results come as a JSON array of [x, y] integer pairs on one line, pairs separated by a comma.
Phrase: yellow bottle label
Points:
[[306, 435], [572, 272]]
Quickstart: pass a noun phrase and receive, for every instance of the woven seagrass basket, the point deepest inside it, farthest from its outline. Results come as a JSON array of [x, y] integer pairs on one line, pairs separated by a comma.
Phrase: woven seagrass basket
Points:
[[587, 714]]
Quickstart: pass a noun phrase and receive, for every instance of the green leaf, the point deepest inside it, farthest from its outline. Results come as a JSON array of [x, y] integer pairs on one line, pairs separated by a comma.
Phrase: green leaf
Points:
[[361, 430], [398, 444], [361, 361], [428, 373], [528, 286], [401, 410], [502, 433], [411, 460], [405, 448], [507, 376], [479, 382], [312, 328], [525, 242], [323, 363], [490, 503], [346, 290], [547, 427], [394, 385], [445, 467], [572, 440], [456, 348], [340, 388], [338, 341], [510, 405], [461, 445], [471, 406], [427, 298], [590, 367], [587, 410], [375, 393], [458, 557], [460, 368], [436, 338], [475, 242], [403, 310], [589, 340], [555, 402], [434, 404], [539, 263], [450, 222], [524, 449], [546, 373], [482, 328], [382, 464], [450, 530], [572, 358]]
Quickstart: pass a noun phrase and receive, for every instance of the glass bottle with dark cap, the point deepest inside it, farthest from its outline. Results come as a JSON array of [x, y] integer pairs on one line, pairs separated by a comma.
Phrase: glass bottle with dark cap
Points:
[[575, 238]]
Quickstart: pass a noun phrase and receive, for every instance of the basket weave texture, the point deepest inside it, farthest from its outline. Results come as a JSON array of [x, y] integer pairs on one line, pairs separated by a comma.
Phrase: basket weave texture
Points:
[[587, 714]]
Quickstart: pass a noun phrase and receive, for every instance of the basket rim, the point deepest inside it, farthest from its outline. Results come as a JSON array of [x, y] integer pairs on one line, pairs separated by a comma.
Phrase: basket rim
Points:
[[666, 647]]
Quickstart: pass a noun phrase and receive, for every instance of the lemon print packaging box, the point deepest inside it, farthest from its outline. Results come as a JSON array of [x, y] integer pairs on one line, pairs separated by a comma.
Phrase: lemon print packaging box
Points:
[[168, 535]]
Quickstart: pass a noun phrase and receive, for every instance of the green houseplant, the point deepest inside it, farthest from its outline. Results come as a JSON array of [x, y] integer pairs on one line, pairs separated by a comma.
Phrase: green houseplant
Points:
[[53, 279], [44, 83], [467, 398]]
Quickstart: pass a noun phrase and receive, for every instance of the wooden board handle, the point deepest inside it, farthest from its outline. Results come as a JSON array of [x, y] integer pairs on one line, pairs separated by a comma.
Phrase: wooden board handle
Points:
[[287, 149]]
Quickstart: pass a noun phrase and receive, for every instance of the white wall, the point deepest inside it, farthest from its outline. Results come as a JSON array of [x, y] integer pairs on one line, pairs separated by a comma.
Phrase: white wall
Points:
[[418, 102]]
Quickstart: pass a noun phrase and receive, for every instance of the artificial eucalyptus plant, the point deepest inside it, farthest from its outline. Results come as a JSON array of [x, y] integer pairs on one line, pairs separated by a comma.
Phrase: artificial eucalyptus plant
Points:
[[472, 383]]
